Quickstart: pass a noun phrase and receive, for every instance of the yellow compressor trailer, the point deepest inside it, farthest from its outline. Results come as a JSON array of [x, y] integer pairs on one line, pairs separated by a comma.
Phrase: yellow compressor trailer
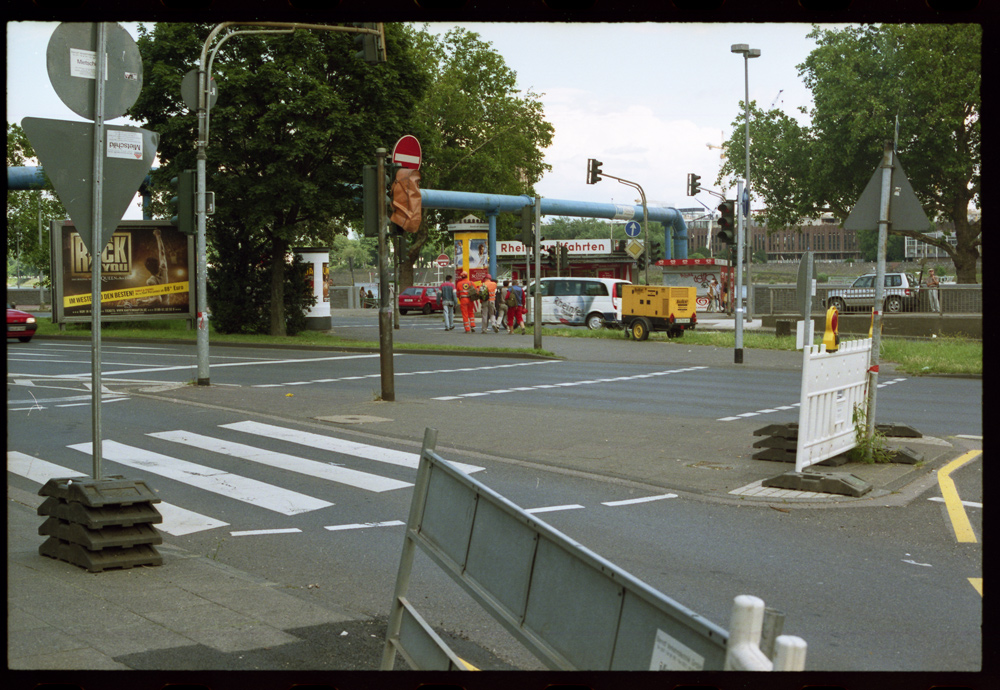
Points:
[[646, 308]]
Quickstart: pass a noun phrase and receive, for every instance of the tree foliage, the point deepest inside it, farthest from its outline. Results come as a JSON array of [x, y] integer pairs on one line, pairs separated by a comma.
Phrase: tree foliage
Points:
[[478, 132], [23, 207], [297, 117], [862, 78]]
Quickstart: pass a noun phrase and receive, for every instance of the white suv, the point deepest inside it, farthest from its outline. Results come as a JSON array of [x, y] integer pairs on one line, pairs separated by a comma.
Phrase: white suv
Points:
[[901, 290]]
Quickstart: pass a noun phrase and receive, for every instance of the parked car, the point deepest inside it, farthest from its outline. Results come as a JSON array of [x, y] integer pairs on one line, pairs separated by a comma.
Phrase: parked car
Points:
[[20, 324], [420, 298], [590, 302], [901, 291]]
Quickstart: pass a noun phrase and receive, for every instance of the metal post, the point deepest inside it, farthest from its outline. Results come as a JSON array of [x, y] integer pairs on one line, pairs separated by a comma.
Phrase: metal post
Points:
[[96, 249], [385, 309], [738, 352], [883, 232], [748, 237], [537, 302]]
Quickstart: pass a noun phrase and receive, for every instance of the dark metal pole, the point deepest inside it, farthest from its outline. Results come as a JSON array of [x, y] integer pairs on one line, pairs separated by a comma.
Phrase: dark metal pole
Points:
[[385, 304]]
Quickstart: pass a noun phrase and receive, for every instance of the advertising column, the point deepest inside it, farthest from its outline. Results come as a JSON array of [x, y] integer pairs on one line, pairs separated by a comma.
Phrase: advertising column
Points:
[[471, 248], [317, 262]]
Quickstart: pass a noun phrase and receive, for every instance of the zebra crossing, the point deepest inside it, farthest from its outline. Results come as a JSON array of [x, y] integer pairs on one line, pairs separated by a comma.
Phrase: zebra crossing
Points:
[[327, 464]]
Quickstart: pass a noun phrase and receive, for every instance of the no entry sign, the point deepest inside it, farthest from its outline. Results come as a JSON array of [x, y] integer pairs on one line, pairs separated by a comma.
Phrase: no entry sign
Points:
[[407, 152]]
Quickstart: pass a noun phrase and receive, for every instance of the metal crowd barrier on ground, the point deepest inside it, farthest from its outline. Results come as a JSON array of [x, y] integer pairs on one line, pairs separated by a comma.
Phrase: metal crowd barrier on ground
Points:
[[570, 607]]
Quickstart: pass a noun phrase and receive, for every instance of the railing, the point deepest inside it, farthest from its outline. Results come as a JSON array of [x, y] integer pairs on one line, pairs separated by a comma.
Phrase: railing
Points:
[[954, 299]]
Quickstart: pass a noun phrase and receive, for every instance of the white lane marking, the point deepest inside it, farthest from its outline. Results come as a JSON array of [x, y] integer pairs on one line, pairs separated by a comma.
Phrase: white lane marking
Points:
[[69, 398], [551, 509], [569, 383], [427, 372], [234, 486], [255, 532], [338, 445], [215, 366], [363, 525], [968, 504], [282, 461], [631, 501], [786, 407], [176, 521]]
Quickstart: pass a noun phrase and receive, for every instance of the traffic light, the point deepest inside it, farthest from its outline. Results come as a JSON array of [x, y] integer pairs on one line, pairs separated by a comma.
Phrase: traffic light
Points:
[[527, 223], [694, 184], [182, 203], [656, 252], [406, 202], [640, 261], [371, 47], [550, 257], [727, 222], [593, 170], [563, 258]]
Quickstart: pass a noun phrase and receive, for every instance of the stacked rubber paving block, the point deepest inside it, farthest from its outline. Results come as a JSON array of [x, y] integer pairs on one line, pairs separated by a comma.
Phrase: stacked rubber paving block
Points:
[[781, 440], [100, 524]]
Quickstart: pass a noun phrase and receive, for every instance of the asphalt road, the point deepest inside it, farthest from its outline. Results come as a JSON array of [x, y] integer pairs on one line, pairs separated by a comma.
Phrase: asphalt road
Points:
[[325, 522]]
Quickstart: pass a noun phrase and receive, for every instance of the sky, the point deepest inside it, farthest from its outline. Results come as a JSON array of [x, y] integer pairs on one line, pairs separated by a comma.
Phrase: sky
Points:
[[646, 99]]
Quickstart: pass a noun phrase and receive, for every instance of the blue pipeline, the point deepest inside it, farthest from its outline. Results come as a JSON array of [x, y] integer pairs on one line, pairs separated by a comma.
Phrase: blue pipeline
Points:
[[494, 204], [32, 177]]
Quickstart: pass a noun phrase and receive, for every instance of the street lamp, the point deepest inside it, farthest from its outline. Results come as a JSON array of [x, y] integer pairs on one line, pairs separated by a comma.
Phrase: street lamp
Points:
[[747, 53]]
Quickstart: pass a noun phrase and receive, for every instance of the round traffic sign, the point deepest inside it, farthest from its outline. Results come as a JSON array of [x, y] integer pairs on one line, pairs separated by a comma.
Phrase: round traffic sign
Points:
[[632, 228], [72, 65], [443, 260], [406, 152]]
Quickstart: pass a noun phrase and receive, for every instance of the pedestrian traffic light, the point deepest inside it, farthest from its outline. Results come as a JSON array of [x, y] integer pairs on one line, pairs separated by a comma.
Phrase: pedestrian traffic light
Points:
[[727, 222], [527, 223], [406, 202], [563, 258], [550, 257], [694, 184], [593, 170], [371, 46], [182, 206]]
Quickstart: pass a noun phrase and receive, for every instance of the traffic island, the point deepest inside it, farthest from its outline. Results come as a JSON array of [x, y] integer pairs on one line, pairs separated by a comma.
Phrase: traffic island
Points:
[[100, 524]]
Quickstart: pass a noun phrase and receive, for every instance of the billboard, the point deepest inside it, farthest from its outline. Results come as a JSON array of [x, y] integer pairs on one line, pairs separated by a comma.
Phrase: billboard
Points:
[[147, 272]]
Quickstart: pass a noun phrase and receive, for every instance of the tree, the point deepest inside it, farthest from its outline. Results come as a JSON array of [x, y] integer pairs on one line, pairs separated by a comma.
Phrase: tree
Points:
[[297, 117], [477, 132], [862, 78], [26, 209]]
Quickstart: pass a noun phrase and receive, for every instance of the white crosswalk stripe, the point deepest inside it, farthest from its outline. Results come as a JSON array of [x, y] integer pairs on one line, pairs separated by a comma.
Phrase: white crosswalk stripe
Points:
[[321, 470], [260, 494]]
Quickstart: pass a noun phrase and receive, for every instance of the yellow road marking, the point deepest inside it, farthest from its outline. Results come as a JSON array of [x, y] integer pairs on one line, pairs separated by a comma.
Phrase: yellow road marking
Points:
[[959, 520], [977, 582], [468, 666]]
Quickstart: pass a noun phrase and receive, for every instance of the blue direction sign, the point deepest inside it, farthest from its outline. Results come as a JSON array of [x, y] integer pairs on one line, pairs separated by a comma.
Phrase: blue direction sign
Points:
[[632, 228]]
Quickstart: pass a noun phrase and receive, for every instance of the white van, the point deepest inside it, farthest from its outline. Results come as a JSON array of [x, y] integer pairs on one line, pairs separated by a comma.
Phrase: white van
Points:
[[580, 301]]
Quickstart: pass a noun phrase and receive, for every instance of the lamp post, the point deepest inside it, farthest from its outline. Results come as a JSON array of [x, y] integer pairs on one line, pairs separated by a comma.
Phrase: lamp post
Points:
[[747, 53]]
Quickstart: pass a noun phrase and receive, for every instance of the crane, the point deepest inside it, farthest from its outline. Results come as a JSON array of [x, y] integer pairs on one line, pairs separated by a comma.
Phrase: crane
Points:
[[722, 153]]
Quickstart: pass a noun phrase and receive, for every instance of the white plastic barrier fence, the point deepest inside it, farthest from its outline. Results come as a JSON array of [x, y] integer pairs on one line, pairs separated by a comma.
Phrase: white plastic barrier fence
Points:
[[833, 383], [571, 608]]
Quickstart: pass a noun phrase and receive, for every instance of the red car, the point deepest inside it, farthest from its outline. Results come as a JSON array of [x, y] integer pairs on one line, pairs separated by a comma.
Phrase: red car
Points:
[[20, 324], [420, 298]]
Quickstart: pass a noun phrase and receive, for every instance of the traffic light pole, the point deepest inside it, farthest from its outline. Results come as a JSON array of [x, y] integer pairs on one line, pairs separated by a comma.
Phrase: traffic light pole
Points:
[[738, 352], [537, 303]]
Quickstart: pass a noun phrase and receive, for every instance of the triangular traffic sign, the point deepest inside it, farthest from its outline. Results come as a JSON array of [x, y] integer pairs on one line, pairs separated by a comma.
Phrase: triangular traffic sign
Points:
[[66, 151], [905, 211]]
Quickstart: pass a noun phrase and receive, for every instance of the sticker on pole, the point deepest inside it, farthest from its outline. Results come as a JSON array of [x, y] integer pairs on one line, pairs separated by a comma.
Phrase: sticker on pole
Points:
[[406, 152], [126, 145]]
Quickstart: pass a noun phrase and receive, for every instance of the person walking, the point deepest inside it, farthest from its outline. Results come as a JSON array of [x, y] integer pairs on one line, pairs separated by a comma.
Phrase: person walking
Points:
[[489, 296], [466, 295], [501, 302], [448, 302], [932, 293], [713, 295], [520, 294]]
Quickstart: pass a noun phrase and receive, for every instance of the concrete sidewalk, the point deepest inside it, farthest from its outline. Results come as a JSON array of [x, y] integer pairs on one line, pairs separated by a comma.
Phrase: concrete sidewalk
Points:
[[194, 613]]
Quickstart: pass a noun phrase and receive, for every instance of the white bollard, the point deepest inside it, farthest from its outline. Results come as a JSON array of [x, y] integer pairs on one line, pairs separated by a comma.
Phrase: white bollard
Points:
[[743, 649], [789, 653]]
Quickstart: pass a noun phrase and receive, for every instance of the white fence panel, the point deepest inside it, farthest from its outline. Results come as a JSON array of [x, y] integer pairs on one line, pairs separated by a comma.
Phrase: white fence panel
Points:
[[833, 383]]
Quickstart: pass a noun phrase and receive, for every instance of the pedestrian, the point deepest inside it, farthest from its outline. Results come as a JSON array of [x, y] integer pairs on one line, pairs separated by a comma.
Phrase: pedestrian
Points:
[[466, 290], [448, 302], [932, 293], [521, 293], [501, 303], [488, 295], [724, 294], [362, 295], [713, 295]]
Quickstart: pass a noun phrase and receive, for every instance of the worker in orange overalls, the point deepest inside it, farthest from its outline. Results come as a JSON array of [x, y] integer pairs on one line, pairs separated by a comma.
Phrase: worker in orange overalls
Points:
[[466, 294]]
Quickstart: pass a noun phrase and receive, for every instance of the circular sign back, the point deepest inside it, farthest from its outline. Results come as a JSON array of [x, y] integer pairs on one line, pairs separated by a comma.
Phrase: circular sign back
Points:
[[72, 65]]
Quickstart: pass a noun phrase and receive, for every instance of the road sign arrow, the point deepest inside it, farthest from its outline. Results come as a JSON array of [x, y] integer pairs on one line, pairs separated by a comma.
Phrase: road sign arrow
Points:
[[66, 151]]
